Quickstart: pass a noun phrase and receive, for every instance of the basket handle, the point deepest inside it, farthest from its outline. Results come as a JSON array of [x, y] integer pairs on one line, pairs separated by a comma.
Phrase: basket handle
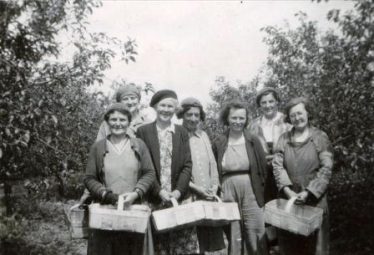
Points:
[[289, 204], [219, 200], [71, 209], [120, 203], [174, 202]]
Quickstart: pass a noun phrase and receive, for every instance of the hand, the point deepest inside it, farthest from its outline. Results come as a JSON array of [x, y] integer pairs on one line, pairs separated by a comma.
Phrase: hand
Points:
[[176, 194], [110, 198], [129, 198], [164, 195], [302, 197], [289, 192]]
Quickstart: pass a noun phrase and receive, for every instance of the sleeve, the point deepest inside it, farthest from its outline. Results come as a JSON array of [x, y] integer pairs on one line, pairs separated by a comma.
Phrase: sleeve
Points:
[[103, 131], [259, 150], [147, 171], [185, 174], [280, 173], [318, 185], [96, 188], [212, 163]]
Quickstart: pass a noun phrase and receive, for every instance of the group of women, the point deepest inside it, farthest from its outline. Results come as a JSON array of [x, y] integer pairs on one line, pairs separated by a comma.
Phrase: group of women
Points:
[[253, 162]]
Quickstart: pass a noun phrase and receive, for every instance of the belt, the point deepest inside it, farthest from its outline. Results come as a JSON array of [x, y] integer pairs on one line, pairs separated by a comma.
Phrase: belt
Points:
[[230, 173]]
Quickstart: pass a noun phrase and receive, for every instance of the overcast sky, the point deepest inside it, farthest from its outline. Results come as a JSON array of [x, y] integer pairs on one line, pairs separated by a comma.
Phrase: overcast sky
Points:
[[184, 45]]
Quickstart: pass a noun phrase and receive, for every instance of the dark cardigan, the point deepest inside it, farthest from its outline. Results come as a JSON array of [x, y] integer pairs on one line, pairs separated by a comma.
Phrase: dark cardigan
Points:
[[256, 158], [94, 178], [181, 164]]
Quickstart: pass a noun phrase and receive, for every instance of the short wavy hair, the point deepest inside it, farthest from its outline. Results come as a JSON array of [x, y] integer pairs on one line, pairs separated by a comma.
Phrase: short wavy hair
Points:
[[235, 104], [117, 107], [299, 100], [267, 91]]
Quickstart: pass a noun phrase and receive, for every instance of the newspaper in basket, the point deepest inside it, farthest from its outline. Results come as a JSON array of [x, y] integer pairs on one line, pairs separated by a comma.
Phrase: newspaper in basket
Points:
[[195, 213], [107, 217], [300, 219], [219, 214]]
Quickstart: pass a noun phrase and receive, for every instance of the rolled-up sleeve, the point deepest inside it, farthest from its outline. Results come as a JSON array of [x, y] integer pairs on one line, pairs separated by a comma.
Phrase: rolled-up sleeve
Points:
[[318, 185], [280, 173]]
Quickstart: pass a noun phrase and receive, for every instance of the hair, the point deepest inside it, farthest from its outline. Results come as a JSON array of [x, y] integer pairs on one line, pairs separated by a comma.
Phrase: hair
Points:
[[236, 104], [117, 109], [299, 100], [186, 108], [265, 93]]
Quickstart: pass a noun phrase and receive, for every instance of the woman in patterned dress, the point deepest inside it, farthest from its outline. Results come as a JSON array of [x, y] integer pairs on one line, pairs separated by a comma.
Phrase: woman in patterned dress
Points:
[[170, 152], [302, 164]]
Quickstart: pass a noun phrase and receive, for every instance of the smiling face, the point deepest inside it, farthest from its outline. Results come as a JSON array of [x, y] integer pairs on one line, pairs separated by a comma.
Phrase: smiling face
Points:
[[118, 123], [298, 116], [237, 119], [165, 109], [131, 102], [191, 119], [269, 106]]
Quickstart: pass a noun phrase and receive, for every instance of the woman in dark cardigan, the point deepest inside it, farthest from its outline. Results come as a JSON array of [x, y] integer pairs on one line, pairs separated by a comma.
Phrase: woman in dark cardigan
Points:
[[118, 165], [170, 152], [242, 169]]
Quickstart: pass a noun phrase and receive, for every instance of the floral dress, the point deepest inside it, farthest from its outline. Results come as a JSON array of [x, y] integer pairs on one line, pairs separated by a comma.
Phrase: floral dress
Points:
[[180, 241]]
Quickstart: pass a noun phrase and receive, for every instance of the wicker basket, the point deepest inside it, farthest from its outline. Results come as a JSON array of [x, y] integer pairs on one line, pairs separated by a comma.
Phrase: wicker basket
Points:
[[198, 213], [107, 217], [77, 216], [300, 219]]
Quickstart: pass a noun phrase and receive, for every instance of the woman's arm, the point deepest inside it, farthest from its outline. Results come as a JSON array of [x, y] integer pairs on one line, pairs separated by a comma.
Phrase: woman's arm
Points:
[[280, 173], [184, 177], [147, 170], [318, 185], [92, 183]]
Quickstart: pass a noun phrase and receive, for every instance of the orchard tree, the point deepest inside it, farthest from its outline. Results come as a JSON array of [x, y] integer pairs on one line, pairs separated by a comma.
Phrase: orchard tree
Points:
[[48, 116]]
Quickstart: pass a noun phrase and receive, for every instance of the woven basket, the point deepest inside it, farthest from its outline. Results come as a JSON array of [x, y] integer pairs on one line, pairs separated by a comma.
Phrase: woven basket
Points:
[[198, 213], [300, 219], [77, 216], [107, 217]]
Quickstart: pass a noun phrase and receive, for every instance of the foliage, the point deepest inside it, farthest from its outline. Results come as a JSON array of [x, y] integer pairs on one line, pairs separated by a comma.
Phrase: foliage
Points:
[[335, 71], [49, 115]]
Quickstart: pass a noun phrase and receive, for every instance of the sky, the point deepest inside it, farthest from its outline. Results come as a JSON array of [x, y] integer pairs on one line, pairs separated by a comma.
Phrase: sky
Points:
[[185, 45]]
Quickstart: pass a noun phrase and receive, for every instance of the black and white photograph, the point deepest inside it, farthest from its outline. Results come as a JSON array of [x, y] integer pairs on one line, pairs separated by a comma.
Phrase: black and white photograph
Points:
[[173, 127]]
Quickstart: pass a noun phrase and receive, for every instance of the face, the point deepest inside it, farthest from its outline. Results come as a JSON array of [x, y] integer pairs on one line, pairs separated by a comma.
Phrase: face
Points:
[[237, 119], [165, 109], [131, 102], [299, 116], [191, 118], [268, 105], [118, 123]]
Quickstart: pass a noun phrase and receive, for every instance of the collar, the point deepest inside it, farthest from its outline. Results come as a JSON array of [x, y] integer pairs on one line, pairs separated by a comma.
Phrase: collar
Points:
[[198, 133], [170, 128]]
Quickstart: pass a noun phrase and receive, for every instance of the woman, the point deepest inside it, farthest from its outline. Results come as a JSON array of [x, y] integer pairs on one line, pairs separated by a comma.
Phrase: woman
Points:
[[118, 165], [302, 168], [130, 96], [204, 183], [170, 152], [269, 126], [242, 168]]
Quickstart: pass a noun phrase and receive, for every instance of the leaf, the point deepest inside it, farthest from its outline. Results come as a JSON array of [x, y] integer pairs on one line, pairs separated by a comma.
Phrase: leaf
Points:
[[55, 120]]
